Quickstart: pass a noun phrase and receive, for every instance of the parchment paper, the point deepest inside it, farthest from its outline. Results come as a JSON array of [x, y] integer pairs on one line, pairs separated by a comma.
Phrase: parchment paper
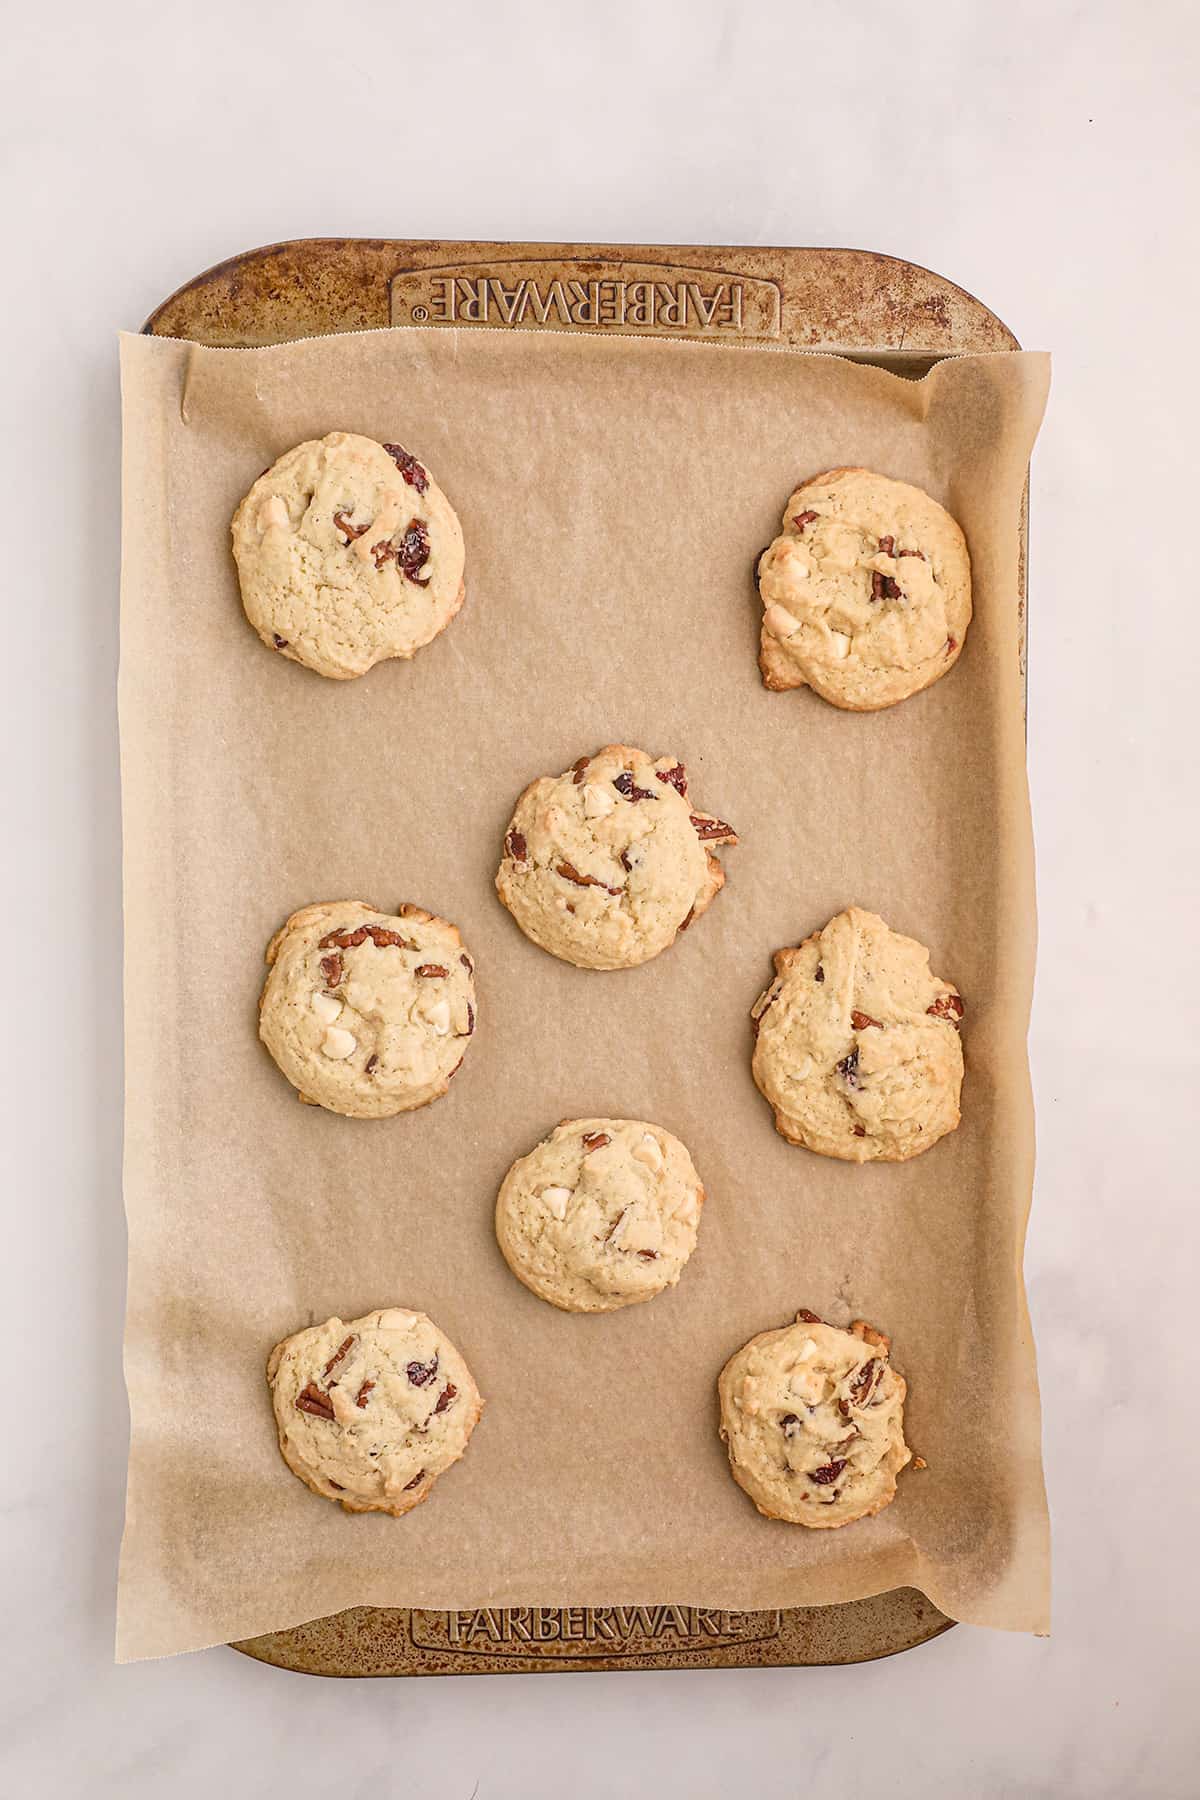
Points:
[[614, 494]]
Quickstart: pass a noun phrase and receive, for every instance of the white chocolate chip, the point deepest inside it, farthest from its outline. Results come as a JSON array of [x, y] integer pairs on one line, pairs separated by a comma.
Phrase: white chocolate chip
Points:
[[780, 622], [396, 1318], [598, 800], [272, 512], [807, 1350], [748, 1397], [338, 1044], [648, 1152], [439, 1016], [797, 569], [556, 1199], [807, 1387], [839, 643], [325, 1006], [687, 1209]]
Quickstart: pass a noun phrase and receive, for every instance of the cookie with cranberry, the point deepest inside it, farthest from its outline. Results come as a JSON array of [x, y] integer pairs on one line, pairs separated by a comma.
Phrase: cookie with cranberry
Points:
[[857, 1045], [348, 553], [367, 1013], [813, 1420], [866, 594], [607, 863], [371, 1411], [600, 1214]]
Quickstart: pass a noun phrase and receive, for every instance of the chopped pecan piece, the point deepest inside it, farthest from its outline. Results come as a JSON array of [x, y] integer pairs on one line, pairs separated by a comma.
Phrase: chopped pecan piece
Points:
[[380, 935], [919, 553], [372, 1064], [595, 1140], [848, 1069], [810, 1318], [828, 1472], [569, 872], [684, 923], [360, 1399], [861, 1020], [888, 546], [470, 1021], [625, 862], [281, 643], [648, 1255], [337, 1486], [341, 519], [416, 1481], [884, 587], [820, 974], [343, 1350], [412, 553], [467, 964], [713, 831], [863, 1385], [445, 1397], [421, 1374], [312, 1400], [677, 778], [579, 769], [625, 785], [331, 969], [431, 971], [918, 1462], [860, 1131], [947, 1006], [408, 466], [515, 845], [802, 519]]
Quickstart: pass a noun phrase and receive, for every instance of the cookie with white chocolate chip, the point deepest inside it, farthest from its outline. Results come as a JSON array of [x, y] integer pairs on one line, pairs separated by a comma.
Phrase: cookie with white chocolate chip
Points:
[[371, 1411], [348, 553], [857, 1045], [866, 594], [367, 1013], [813, 1420], [607, 863], [601, 1214]]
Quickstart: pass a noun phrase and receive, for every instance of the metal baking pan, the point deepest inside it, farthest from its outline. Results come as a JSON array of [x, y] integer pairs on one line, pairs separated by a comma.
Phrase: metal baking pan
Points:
[[854, 303]]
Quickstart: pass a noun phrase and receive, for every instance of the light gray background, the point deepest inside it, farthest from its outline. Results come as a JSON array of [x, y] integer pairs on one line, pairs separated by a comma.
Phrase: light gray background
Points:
[[1043, 156]]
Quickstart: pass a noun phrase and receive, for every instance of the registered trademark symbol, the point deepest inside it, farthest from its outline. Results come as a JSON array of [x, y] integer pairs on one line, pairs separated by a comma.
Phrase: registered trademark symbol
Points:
[[420, 313]]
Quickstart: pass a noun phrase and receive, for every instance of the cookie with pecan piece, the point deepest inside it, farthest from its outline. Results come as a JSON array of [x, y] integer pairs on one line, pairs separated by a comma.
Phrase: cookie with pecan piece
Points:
[[371, 1411], [348, 553], [857, 1045], [607, 863], [367, 1013], [600, 1214], [813, 1420], [866, 594]]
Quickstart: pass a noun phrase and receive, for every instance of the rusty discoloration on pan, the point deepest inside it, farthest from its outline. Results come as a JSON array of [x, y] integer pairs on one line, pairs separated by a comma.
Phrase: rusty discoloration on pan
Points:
[[876, 308]]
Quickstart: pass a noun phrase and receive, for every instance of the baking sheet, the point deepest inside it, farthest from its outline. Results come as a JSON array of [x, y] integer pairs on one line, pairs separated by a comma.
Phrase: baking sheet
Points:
[[613, 495]]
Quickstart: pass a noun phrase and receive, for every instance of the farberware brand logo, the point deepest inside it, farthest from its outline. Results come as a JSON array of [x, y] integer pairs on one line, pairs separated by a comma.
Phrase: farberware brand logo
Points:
[[598, 1631], [629, 297]]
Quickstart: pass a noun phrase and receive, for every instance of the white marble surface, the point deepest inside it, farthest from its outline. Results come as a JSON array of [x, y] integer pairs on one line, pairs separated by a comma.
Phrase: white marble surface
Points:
[[1041, 155]]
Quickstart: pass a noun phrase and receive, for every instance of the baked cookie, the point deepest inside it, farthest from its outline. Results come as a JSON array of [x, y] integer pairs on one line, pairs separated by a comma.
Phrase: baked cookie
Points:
[[857, 1043], [348, 552], [867, 594], [605, 864], [813, 1419], [367, 1013], [371, 1411], [600, 1214]]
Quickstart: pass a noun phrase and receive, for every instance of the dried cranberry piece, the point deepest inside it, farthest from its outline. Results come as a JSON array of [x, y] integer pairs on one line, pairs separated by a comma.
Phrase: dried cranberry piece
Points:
[[372, 1064], [829, 1472], [445, 1397], [331, 969], [848, 1068], [467, 964], [625, 862], [789, 1423], [312, 1400], [951, 645], [648, 1255], [412, 553], [624, 784], [820, 974], [860, 1131], [861, 1021], [431, 971], [360, 1399], [684, 923], [947, 1006], [339, 1355], [515, 845], [677, 778], [281, 643], [416, 1481], [421, 1374], [408, 466], [803, 519]]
